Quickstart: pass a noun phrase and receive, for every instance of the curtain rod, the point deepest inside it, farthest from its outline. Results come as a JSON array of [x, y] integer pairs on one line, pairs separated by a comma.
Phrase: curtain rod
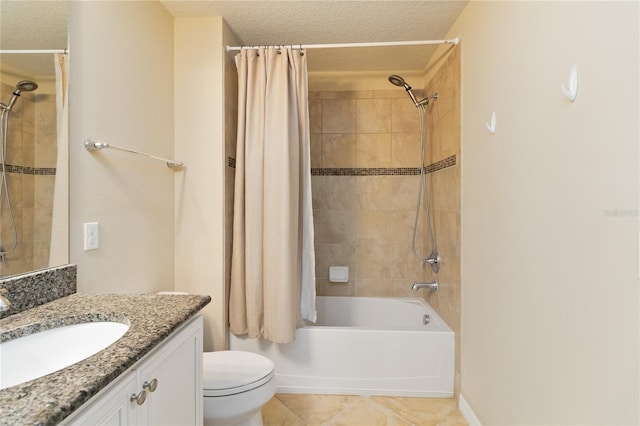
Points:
[[372, 44], [92, 145], [12, 51]]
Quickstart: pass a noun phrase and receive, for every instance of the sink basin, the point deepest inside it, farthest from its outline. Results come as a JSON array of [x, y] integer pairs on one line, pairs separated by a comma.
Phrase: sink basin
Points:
[[36, 355]]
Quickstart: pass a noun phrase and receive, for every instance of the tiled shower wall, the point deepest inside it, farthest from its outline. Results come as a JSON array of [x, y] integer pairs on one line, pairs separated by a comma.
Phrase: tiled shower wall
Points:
[[445, 187], [365, 154], [31, 161]]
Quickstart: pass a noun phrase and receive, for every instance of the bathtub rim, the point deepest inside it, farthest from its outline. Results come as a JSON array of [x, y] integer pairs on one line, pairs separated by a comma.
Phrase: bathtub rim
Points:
[[440, 326]]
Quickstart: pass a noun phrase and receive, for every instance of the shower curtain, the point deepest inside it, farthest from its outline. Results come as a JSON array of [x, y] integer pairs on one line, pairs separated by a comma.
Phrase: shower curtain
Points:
[[273, 266], [59, 251]]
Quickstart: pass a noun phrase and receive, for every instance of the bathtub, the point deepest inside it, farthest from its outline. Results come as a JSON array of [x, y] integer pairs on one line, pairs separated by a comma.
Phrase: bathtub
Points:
[[365, 346]]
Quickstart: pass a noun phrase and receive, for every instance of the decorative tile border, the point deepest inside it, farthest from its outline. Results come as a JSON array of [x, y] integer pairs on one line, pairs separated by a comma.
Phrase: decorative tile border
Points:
[[384, 171], [374, 171], [48, 171]]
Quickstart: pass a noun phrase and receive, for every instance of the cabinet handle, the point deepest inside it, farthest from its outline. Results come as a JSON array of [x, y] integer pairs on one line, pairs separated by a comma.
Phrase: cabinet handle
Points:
[[140, 398], [151, 386]]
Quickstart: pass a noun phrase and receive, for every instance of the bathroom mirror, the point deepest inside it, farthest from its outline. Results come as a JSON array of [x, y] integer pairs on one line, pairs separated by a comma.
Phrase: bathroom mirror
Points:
[[33, 208]]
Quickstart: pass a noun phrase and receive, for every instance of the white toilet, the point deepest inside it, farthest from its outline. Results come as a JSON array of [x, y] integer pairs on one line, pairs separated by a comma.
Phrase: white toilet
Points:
[[235, 385]]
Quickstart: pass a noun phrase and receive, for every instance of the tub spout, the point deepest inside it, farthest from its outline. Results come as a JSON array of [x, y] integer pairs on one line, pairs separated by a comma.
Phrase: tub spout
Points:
[[433, 286]]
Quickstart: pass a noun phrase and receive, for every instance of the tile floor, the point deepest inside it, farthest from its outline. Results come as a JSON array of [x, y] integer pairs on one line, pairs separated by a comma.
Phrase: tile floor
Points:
[[307, 410]]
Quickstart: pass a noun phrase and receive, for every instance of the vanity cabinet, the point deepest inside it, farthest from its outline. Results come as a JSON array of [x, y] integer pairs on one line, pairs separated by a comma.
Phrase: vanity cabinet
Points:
[[163, 388]]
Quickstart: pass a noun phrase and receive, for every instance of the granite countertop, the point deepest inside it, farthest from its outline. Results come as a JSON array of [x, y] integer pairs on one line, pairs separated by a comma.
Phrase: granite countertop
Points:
[[49, 399]]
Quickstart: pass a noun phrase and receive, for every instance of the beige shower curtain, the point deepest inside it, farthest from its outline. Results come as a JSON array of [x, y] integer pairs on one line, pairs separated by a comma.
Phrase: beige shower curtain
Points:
[[272, 271]]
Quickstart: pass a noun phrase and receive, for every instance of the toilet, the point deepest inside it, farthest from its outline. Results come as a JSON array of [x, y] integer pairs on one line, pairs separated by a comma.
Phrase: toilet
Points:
[[236, 385]]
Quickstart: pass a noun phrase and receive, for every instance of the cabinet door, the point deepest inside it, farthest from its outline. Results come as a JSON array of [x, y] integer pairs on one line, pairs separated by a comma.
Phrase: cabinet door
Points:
[[177, 371], [113, 407]]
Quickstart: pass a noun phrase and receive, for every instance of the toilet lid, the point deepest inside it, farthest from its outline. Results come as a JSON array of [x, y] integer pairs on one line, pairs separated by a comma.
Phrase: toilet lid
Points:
[[230, 372]]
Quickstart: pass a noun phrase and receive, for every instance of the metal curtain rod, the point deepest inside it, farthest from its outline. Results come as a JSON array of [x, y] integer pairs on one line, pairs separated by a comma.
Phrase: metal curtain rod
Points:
[[12, 51], [91, 145], [372, 44]]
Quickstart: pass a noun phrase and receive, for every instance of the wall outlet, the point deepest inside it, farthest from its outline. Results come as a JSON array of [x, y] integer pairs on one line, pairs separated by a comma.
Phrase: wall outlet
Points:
[[91, 236]]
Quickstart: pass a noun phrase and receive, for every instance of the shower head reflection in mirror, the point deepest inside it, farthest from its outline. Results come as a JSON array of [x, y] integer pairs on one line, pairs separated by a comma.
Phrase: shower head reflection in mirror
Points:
[[22, 86]]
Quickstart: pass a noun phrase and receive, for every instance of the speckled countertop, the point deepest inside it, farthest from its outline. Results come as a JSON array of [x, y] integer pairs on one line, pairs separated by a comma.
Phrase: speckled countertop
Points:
[[50, 399]]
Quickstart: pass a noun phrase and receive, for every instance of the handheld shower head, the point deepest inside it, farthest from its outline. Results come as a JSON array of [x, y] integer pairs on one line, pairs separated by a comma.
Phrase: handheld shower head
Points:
[[22, 86], [396, 80], [26, 86], [399, 81]]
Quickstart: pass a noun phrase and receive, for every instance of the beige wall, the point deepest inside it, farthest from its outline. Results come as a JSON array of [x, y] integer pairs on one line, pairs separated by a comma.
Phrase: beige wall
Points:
[[121, 92], [550, 213], [201, 251]]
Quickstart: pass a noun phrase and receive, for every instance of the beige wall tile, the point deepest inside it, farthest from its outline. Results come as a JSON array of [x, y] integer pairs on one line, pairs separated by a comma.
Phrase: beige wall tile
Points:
[[339, 150], [402, 223], [374, 261], [445, 186], [316, 193], [404, 264], [449, 142], [339, 193], [446, 227], [339, 226], [405, 150], [404, 116], [374, 192], [339, 116], [336, 255], [374, 116], [45, 133], [315, 115], [338, 289], [404, 192], [315, 153], [373, 150], [373, 227]]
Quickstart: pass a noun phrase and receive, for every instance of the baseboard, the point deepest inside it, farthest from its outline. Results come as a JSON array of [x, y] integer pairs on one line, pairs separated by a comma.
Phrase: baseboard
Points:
[[468, 413]]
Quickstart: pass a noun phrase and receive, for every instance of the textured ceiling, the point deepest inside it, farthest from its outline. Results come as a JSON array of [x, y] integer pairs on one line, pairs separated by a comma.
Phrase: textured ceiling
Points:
[[328, 21], [42, 25], [32, 25]]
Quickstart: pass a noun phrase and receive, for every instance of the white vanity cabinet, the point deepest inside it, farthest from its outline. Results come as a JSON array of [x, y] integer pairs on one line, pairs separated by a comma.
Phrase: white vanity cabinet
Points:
[[163, 388]]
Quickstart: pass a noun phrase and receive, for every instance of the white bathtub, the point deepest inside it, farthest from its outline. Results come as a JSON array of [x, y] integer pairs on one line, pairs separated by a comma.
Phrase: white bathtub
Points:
[[364, 346]]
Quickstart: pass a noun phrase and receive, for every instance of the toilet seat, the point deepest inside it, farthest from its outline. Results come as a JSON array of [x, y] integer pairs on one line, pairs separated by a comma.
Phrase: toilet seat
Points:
[[227, 373]]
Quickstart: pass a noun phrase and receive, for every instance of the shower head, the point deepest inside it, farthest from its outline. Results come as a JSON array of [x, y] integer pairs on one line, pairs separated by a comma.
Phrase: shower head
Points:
[[26, 86], [399, 81], [396, 80], [22, 86]]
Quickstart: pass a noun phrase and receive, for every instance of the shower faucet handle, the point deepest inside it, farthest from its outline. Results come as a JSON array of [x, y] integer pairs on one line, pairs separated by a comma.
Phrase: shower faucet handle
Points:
[[434, 260]]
